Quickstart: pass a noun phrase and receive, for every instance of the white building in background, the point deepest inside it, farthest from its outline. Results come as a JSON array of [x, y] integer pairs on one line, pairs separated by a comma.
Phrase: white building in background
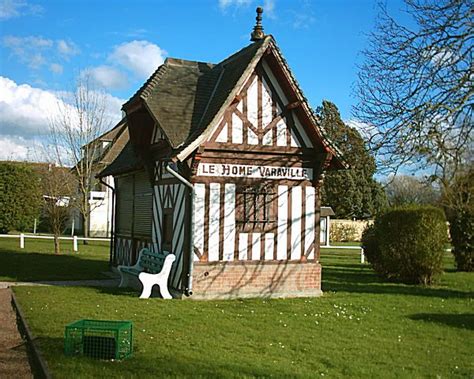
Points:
[[101, 199]]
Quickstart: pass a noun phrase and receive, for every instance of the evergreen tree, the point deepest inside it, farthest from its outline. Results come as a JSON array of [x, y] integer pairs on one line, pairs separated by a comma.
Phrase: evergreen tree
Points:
[[351, 193], [20, 197]]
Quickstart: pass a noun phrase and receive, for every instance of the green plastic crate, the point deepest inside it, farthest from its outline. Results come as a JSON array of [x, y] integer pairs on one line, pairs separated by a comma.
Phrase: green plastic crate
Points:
[[99, 339]]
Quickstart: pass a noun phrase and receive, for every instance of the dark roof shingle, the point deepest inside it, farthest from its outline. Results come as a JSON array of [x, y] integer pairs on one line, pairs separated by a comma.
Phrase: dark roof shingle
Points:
[[184, 96]]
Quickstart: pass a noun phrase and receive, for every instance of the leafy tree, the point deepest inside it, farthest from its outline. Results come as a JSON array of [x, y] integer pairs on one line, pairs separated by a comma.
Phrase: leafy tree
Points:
[[459, 207], [351, 193], [406, 190], [20, 197]]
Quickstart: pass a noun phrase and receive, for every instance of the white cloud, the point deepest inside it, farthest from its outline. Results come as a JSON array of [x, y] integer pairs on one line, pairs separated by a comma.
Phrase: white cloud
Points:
[[367, 131], [37, 52], [108, 77], [34, 51], [67, 49], [25, 111], [228, 3], [16, 8], [14, 148], [269, 8], [56, 68], [140, 57]]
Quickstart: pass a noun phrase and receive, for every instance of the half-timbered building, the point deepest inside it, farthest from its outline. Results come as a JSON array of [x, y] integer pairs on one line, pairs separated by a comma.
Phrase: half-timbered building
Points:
[[223, 168]]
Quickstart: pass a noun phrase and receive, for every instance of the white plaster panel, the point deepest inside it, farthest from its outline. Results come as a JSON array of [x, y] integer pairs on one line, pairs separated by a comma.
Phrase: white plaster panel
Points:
[[214, 211], [269, 245], [199, 214], [282, 223], [310, 220], [296, 214], [243, 243], [222, 137], [252, 103], [229, 222], [237, 129], [256, 246]]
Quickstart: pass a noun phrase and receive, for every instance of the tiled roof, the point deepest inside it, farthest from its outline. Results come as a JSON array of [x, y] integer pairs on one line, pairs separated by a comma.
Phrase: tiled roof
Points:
[[184, 96], [125, 161]]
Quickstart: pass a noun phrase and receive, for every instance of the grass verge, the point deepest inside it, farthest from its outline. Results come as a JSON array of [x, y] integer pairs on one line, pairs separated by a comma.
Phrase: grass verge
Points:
[[361, 327], [37, 262]]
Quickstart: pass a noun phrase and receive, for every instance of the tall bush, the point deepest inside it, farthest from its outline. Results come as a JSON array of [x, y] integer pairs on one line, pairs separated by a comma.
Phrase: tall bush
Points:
[[407, 244], [20, 197], [462, 238]]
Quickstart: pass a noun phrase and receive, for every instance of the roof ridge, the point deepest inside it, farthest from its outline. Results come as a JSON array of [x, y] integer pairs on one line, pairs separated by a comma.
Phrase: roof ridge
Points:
[[144, 91], [236, 55], [181, 61]]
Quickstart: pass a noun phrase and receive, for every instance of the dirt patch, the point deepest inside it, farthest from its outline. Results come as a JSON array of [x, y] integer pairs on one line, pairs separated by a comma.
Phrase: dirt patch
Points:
[[13, 355]]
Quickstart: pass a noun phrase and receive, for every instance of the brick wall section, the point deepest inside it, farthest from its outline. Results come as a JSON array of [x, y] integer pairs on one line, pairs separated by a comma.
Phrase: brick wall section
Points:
[[227, 280]]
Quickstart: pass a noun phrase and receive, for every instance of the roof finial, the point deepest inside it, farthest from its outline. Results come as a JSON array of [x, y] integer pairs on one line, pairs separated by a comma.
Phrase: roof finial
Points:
[[257, 33]]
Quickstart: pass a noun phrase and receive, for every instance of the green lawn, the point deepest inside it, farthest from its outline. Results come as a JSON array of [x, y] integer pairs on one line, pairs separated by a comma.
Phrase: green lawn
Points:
[[38, 262], [361, 327]]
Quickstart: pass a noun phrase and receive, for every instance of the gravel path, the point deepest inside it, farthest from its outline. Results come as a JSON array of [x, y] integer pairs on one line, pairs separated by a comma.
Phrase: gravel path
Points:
[[13, 356]]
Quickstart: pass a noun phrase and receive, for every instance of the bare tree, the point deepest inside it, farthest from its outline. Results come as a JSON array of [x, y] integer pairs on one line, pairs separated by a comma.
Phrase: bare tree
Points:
[[404, 189], [416, 88], [58, 185], [74, 132]]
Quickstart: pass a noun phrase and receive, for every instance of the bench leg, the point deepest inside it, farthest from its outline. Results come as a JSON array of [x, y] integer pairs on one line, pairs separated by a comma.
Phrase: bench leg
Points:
[[123, 280], [149, 280], [146, 293], [163, 283]]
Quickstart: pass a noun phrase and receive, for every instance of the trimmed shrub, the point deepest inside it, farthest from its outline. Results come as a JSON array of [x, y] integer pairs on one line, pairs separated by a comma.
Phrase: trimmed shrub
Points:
[[407, 244], [462, 238]]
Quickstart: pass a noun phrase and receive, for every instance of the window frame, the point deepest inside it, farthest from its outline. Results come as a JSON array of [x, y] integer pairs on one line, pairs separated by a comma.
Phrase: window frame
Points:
[[256, 207]]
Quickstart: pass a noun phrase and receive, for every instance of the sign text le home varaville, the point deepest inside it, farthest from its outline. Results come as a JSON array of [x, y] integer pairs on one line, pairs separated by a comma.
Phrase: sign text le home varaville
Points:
[[223, 168]]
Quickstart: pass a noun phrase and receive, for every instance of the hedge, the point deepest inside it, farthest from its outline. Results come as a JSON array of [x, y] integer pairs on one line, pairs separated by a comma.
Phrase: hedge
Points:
[[20, 197], [407, 244]]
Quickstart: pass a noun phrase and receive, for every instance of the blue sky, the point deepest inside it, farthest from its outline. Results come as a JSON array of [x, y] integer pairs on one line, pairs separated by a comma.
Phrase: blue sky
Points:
[[44, 45]]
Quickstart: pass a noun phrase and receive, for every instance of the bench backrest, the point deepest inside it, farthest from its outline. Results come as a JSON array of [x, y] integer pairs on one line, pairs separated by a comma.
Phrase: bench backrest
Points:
[[151, 262]]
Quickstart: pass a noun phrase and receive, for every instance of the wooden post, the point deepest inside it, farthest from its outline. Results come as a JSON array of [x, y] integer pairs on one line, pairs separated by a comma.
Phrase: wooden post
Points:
[[362, 256], [72, 227], [74, 244], [22, 241], [34, 227]]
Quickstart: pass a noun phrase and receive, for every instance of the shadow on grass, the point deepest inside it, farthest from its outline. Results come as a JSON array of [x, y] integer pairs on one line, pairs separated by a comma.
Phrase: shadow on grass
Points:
[[462, 321], [362, 279], [147, 361], [26, 266]]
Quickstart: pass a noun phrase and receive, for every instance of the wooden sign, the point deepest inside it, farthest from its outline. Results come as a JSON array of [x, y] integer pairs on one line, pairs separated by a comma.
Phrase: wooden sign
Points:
[[257, 172]]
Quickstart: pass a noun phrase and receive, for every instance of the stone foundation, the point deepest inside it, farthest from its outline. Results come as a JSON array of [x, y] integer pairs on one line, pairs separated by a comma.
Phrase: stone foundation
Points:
[[228, 280]]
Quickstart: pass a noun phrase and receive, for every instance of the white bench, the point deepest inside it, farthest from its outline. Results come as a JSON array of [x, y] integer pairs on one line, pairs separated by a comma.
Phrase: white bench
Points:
[[151, 268]]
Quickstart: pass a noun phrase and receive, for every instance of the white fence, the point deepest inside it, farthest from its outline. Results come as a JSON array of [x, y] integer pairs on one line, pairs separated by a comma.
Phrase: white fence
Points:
[[74, 239]]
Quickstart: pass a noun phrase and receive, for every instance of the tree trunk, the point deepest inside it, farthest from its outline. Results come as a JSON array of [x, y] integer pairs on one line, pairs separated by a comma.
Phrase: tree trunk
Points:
[[85, 228], [57, 249], [85, 219]]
